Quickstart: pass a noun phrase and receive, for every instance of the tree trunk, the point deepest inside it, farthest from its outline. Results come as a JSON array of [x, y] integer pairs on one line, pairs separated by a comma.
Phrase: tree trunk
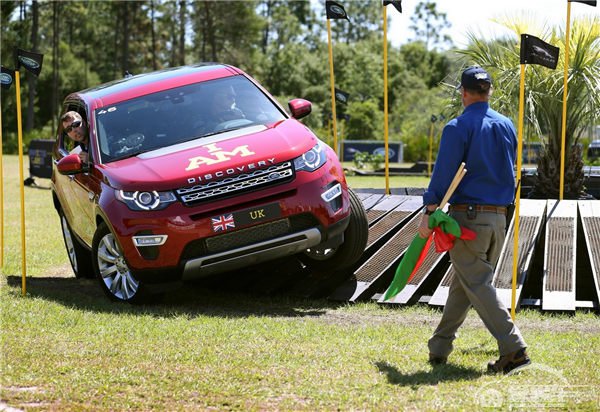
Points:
[[153, 25], [547, 182], [55, 54], [31, 79], [125, 33], [182, 24]]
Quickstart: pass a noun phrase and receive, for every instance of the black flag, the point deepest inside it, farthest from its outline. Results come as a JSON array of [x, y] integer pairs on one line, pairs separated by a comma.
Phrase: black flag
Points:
[[7, 77], [592, 3], [396, 3], [335, 10], [341, 96], [30, 60], [536, 51]]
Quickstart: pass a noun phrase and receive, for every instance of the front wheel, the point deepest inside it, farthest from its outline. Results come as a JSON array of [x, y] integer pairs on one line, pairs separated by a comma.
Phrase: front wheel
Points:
[[116, 279], [348, 253]]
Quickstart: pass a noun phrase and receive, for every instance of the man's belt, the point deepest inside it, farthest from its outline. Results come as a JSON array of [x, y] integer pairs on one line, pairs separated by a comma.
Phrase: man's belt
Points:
[[501, 210]]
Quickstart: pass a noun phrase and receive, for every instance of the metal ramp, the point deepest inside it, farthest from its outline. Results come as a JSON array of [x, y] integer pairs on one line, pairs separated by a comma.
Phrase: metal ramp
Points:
[[558, 290], [429, 266], [393, 218], [547, 271], [589, 211], [370, 201], [440, 296], [372, 270], [531, 216], [385, 206]]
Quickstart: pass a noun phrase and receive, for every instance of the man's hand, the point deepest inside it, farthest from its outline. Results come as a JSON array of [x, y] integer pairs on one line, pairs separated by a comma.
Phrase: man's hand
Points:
[[83, 156], [424, 230]]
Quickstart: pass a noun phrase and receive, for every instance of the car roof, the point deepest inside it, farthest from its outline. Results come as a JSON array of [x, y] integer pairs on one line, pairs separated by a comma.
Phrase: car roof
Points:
[[134, 86]]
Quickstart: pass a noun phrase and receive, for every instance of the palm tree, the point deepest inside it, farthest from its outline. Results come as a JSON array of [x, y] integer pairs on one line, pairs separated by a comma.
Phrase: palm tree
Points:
[[544, 95]]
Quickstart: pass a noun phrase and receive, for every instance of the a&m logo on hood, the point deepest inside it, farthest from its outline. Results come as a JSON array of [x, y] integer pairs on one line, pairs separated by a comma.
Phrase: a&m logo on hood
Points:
[[217, 155]]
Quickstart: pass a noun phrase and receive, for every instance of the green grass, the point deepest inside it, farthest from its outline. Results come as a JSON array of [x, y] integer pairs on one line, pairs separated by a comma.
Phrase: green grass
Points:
[[66, 347]]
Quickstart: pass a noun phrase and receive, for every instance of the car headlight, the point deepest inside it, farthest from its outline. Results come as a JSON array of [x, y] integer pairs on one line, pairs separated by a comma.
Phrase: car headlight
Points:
[[146, 200], [313, 159]]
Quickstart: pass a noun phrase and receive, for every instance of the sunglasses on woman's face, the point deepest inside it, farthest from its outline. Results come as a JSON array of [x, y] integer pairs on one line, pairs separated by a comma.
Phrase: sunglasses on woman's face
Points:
[[72, 126]]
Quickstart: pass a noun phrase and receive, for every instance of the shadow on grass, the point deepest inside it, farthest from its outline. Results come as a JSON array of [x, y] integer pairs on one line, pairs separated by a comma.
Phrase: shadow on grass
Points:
[[437, 374], [191, 300]]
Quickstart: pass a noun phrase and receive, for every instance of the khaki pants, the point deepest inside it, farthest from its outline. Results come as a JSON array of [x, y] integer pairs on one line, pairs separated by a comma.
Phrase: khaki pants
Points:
[[474, 263]]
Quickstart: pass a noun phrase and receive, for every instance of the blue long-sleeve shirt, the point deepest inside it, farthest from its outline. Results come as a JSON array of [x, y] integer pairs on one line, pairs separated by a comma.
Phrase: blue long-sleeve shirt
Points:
[[486, 141]]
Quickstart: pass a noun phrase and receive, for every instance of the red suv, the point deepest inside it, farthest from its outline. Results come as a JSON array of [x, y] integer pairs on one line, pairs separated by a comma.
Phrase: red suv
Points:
[[196, 171]]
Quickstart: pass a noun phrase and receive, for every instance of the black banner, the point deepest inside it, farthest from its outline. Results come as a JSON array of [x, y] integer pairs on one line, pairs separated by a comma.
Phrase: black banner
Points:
[[30, 60], [537, 51], [396, 3], [592, 3], [7, 77], [335, 10], [341, 96]]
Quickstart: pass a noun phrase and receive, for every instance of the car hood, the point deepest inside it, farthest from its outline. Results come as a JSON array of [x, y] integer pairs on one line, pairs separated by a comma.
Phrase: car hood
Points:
[[207, 159]]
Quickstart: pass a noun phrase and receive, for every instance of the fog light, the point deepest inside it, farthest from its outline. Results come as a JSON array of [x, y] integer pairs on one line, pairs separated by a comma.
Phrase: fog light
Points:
[[332, 193], [149, 240]]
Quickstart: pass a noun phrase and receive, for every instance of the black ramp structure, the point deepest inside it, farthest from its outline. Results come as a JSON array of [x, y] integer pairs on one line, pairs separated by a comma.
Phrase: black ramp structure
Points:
[[383, 207], [366, 277], [558, 289], [589, 211], [440, 296], [372, 200], [393, 217], [531, 217], [409, 293]]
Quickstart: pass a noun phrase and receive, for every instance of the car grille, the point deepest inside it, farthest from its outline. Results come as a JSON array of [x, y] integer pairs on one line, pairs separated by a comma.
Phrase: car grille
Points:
[[279, 173], [248, 236]]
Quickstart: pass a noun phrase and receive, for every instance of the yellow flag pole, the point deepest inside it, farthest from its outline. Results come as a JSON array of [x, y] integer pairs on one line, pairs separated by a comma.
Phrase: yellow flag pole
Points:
[[385, 103], [564, 106], [1, 199], [513, 300], [21, 181], [430, 150], [332, 81]]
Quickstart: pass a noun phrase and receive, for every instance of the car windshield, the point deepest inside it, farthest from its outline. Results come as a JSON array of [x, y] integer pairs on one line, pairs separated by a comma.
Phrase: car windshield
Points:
[[182, 114]]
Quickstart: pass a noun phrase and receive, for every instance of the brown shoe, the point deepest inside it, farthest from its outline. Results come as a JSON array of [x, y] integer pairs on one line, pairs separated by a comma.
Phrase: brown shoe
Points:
[[511, 362], [435, 360]]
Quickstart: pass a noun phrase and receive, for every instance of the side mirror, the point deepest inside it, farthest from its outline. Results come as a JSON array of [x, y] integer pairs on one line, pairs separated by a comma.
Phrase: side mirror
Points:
[[300, 108], [71, 165]]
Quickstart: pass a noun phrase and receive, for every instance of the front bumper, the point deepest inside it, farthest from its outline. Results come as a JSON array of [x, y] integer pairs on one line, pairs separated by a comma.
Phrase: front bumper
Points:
[[192, 248]]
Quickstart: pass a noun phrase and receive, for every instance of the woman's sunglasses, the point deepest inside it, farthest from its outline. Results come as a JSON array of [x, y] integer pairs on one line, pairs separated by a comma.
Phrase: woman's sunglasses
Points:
[[72, 126]]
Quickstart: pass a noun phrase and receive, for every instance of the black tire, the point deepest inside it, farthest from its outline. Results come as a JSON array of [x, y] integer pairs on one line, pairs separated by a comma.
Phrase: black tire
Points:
[[79, 257], [115, 277], [349, 252]]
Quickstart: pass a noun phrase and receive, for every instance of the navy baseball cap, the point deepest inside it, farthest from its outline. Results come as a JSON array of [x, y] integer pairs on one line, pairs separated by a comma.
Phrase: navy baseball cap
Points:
[[473, 77]]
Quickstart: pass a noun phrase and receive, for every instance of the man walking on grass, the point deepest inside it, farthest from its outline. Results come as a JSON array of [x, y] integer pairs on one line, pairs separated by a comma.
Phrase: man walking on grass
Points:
[[486, 141]]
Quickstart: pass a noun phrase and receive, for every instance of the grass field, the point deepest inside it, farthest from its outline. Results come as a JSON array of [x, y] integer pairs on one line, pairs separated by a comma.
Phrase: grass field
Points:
[[65, 347]]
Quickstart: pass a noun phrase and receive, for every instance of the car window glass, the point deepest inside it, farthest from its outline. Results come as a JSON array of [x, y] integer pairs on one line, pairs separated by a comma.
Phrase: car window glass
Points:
[[182, 114]]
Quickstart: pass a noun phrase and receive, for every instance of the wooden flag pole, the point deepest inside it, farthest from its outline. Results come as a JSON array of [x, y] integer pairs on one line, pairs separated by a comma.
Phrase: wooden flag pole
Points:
[[21, 182], [460, 173], [332, 81], [513, 299], [385, 102], [564, 105]]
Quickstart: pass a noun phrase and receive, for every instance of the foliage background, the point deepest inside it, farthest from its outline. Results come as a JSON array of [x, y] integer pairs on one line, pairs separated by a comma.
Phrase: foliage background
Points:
[[283, 44]]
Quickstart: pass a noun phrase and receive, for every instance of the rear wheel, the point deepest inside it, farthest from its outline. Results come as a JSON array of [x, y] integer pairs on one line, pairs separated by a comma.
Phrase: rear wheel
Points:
[[79, 257], [116, 279], [348, 253]]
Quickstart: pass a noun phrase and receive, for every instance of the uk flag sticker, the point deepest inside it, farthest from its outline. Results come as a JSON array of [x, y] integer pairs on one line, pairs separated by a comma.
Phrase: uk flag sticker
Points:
[[222, 223]]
